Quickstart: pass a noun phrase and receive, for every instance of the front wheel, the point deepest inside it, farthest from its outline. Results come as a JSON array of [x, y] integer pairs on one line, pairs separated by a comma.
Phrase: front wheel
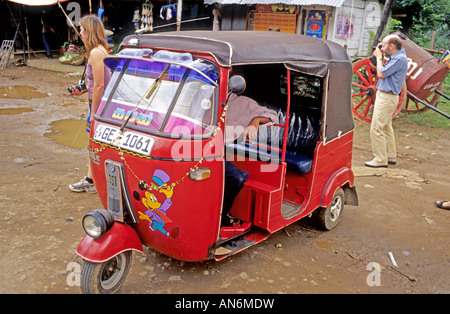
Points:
[[106, 277], [329, 217]]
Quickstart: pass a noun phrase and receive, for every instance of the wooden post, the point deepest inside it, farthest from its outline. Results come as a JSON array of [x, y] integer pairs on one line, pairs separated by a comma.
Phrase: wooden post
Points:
[[28, 38], [433, 40], [179, 9]]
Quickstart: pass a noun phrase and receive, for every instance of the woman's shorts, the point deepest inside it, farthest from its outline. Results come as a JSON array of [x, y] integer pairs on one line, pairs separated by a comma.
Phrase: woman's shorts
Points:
[[88, 120]]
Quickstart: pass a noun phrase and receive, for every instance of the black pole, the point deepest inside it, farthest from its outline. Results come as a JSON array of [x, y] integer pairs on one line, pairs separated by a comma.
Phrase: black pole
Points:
[[442, 94], [428, 105]]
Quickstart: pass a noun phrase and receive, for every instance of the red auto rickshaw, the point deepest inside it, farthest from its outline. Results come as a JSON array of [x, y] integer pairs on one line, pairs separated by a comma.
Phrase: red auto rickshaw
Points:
[[157, 146]]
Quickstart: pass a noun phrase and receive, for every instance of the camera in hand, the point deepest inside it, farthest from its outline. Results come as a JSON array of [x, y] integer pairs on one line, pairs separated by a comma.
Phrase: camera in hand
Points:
[[81, 86], [372, 58]]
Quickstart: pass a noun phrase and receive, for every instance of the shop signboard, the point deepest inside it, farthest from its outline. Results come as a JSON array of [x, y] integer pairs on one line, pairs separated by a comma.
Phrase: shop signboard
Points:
[[316, 24]]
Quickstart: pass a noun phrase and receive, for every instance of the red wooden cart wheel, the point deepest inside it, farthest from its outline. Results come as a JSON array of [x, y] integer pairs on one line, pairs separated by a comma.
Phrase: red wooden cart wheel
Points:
[[413, 106], [364, 90]]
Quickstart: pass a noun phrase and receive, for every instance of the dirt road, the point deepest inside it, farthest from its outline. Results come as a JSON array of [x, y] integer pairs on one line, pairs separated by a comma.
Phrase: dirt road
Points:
[[40, 222]]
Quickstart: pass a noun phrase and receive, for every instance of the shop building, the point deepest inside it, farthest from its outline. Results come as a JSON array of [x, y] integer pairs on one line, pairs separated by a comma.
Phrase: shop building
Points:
[[347, 22]]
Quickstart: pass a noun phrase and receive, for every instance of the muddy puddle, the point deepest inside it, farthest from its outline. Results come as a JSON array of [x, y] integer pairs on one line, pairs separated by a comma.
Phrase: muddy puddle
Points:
[[20, 92], [69, 104], [69, 132], [13, 111]]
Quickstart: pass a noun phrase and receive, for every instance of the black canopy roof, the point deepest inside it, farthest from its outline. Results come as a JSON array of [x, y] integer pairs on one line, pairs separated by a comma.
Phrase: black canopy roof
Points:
[[247, 47], [299, 53]]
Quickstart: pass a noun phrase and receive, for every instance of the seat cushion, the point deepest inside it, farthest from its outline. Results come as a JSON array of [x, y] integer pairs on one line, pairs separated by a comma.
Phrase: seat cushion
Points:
[[298, 162]]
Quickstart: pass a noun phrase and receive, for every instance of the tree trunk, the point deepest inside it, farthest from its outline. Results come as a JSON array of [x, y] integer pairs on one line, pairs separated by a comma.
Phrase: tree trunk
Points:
[[383, 22]]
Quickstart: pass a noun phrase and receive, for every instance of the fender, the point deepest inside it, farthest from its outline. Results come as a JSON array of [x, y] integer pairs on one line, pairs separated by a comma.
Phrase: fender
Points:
[[337, 179], [118, 239]]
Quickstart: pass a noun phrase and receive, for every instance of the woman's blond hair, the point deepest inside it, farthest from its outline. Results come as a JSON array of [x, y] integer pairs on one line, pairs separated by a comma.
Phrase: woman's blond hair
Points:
[[95, 33]]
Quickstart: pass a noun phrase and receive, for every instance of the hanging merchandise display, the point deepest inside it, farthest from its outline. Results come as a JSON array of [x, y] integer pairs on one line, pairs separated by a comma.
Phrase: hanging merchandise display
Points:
[[137, 18], [167, 12], [147, 15]]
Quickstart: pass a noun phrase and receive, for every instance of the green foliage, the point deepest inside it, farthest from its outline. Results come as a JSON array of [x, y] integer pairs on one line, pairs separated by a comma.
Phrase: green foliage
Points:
[[423, 38], [393, 25], [427, 16]]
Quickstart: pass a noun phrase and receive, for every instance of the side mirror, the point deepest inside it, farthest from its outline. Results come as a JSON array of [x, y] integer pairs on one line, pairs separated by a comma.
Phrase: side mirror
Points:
[[236, 84]]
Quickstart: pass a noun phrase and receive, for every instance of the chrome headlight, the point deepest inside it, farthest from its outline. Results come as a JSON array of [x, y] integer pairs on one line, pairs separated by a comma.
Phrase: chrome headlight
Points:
[[97, 222]]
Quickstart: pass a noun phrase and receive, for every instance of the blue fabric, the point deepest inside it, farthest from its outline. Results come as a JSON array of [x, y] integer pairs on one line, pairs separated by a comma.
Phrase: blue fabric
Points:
[[298, 162], [88, 119], [234, 182], [46, 38], [395, 72]]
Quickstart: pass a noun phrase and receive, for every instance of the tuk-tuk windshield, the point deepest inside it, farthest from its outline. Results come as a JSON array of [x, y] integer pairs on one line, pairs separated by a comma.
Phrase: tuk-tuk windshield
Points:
[[163, 97]]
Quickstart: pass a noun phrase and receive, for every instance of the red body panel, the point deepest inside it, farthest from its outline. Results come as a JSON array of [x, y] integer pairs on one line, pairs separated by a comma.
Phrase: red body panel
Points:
[[188, 220], [118, 239], [264, 193]]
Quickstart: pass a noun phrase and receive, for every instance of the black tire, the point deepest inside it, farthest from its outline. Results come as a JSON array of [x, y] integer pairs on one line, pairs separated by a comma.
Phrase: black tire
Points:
[[329, 217], [106, 277]]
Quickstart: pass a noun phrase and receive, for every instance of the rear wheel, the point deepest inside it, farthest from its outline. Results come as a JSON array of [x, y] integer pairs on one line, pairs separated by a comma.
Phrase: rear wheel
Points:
[[106, 277], [328, 218]]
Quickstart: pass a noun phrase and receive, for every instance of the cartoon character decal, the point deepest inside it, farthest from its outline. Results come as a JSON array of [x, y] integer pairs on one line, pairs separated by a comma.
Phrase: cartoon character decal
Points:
[[157, 201]]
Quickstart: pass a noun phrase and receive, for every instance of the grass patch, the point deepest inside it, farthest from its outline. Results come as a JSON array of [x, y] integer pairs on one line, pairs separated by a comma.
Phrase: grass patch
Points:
[[430, 118]]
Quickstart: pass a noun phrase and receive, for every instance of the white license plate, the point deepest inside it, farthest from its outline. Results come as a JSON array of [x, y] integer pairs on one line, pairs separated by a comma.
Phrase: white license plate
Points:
[[132, 141]]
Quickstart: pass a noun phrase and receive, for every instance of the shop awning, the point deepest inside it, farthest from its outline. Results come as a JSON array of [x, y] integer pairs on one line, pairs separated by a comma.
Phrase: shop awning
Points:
[[37, 2], [331, 3]]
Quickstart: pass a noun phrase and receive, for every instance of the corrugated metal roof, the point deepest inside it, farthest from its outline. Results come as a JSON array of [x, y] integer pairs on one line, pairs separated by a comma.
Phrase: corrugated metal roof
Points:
[[332, 3]]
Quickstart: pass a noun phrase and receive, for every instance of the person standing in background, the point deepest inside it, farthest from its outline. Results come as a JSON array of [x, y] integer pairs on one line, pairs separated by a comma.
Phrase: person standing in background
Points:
[[391, 77], [47, 32]]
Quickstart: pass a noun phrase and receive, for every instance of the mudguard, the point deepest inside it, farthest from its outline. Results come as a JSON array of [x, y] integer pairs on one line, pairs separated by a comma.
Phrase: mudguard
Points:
[[118, 239], [338, 179]]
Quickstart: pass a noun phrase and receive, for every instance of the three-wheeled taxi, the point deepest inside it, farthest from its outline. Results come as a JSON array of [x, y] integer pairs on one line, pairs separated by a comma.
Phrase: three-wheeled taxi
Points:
[[157, 146]]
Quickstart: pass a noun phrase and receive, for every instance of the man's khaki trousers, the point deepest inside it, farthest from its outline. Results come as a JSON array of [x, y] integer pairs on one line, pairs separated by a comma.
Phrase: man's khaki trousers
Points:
[[381, 131]]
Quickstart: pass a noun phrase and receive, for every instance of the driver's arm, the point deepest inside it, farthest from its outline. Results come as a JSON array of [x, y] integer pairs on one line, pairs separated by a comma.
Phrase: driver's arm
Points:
[[252, 129]]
